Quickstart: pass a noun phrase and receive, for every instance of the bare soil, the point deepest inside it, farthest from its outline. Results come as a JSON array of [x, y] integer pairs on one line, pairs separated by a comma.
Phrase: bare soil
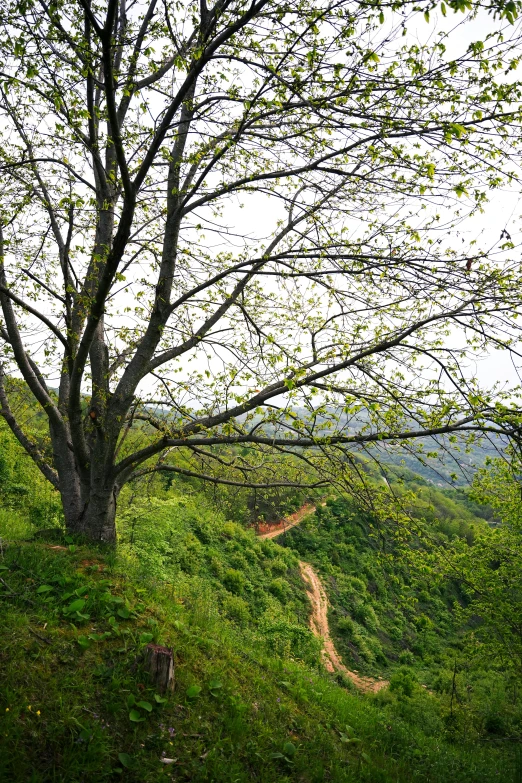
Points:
[[319, 601], [271, 530], [320, 628]]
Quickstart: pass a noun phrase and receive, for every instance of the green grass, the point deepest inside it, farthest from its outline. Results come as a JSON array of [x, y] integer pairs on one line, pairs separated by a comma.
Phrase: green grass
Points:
[[74, 622]]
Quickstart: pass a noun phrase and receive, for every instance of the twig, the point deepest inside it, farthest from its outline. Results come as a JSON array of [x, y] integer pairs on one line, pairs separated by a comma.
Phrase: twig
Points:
[[35, 633], [7, 586]]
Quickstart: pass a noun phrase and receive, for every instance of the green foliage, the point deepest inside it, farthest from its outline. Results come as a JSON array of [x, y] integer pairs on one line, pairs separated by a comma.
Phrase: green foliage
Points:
[[403, 681], [68, 713], [491, 571], [183, 541], [389, 603], [27, 501], [78, 703]]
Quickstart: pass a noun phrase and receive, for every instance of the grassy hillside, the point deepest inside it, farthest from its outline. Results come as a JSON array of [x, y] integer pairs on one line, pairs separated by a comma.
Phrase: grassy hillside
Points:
[[382, 612], [392, 613], [251, 699], [250, 702]]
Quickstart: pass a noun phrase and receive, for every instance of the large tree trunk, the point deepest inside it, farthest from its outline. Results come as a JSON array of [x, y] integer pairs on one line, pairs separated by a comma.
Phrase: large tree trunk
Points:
[[96, 518], [88, 502], [99, 518]]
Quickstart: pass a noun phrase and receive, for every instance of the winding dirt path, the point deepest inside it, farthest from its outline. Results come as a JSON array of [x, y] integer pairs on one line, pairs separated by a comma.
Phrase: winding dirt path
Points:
[[319, 601], [274, 530], [320, 628]]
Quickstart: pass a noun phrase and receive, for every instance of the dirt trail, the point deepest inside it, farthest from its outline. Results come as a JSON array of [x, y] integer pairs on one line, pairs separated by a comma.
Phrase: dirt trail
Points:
[[271, 531], [319, 626], [319, 601]]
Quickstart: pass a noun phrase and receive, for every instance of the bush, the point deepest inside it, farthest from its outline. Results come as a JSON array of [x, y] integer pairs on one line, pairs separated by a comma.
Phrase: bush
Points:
[[236, 609], [345, 625], [234, 581], [365, 613], [280, 588], [404, 682], [286, 639], [278, 566]]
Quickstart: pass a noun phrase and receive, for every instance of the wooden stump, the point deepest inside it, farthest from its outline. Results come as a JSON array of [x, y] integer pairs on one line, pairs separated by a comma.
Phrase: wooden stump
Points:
[[159, 662]]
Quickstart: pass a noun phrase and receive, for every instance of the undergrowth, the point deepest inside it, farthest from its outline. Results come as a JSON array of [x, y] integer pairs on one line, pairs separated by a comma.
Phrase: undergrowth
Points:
[[76, 705]]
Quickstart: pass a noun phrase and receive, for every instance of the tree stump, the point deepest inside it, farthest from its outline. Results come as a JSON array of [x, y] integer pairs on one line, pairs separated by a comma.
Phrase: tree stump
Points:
[[159, 662]]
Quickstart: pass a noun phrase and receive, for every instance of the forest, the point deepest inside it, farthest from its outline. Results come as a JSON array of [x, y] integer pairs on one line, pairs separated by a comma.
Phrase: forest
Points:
[[260, 398]]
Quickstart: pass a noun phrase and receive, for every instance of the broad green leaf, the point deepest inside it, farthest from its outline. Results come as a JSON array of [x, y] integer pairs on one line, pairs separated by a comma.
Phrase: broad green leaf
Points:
[[76, 606], [124, 759]]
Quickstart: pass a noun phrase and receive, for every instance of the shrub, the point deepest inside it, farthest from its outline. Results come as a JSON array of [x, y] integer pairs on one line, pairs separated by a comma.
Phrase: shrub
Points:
[[238, 561], [404, 682], [286, 639], [280, 588], [278, 566], [345, 625], [236, 609], [365, 613], [234, 581], [216, 566]]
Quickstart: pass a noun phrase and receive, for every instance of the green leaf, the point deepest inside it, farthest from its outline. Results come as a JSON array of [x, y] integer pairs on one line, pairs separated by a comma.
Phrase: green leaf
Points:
[[460, 190], [131, 701], [76, 606], [144, 705], [193, 692], [84, 642], [45, 589], [145, 638], [289, 749], [159, 699], [124, 613], [135, 716], [124, 759]]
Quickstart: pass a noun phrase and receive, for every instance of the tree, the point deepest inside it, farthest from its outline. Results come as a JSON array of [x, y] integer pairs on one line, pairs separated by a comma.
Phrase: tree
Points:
[[224, 234]]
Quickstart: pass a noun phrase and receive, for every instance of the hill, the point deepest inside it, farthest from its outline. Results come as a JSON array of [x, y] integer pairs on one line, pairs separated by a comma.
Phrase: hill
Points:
[[251, 699]]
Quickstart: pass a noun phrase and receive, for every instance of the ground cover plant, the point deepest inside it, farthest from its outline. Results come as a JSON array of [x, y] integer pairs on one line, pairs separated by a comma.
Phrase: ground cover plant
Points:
[[251, 697], [77, 706]]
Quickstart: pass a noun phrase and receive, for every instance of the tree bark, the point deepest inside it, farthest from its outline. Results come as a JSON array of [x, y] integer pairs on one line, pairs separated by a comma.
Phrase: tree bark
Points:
[[98, 521]]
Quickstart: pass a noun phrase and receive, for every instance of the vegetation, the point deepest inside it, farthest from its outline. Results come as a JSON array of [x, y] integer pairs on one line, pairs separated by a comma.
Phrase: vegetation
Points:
[[76, 704], [251, 700], [234, 285]]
